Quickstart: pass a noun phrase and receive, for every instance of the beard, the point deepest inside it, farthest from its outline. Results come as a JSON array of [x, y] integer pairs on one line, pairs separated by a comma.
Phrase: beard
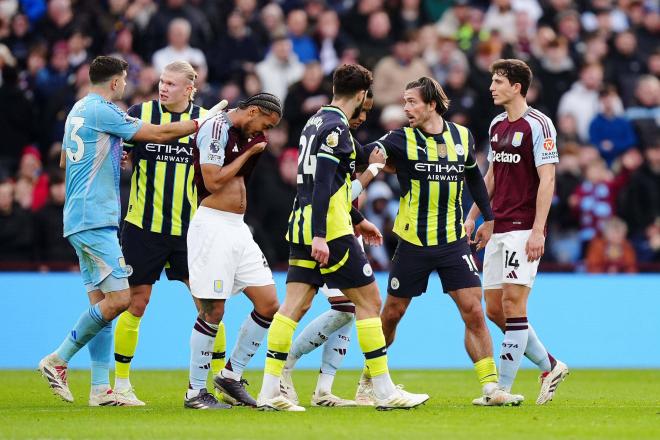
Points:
[[358, 109]]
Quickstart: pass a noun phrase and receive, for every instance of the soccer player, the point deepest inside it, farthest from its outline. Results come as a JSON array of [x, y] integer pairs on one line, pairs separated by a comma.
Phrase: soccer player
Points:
[[332, 329], [91, 152], [223, 258], [324, 249], [433, 157], [521, 183], [162, 201]]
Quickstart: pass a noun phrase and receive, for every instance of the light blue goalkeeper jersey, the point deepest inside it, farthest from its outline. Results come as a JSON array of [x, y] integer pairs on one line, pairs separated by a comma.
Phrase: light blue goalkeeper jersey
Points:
[[92, 142]]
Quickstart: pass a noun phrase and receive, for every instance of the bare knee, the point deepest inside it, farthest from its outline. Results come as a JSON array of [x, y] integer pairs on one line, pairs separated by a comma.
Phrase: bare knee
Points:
[[268, 307], [211, 310], [138, 305], [473, 315], [393, 312], [495, 314]]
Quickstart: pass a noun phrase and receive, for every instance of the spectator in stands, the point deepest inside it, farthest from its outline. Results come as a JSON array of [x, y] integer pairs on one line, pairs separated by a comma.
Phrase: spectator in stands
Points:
[[357, 19], [303, 45], [596, 48], [454, 19], [305, 98], [639, 203], [157, 32], [146, 88], [377, 42], [556, 72], [178, 48], [330, 40], [582, 101], [448, 54], [501, 17], [280, 68], [16, 121], [271, 24], [16, 227], [77, 44], [609, 132], [409, 17], [625, 65], [20, 40], [56, 75], [236, 52], [392, 73], [645, 116], [30, 175], [563, 241], [463, 109], [611, 252], [59, 22], [123, 48], [51, 247]]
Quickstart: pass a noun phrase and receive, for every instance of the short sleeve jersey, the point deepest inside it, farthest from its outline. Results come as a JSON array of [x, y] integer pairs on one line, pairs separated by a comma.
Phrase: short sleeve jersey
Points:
[[93, 135], [517, 148], [430, 169]]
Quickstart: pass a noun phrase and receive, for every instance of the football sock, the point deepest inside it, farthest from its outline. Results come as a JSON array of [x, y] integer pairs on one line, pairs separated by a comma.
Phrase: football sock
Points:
[[513, 348], [251, 334], [335, 349], [316, 333], [219, 349], [279, 343], [126, 339], [100, 348], [487, 374], [89, 324], [324, 383], [536, 352], [372, 342], [201, 344]]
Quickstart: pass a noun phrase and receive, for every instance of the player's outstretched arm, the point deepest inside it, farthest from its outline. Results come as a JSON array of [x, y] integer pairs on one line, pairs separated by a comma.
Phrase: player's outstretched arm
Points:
[[471, 218], [376, 163], [479, 192], [175, 130]]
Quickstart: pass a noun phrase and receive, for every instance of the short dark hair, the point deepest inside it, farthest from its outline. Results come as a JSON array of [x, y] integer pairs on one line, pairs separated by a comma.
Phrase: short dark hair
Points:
[[103, 68], [515, 71], [267, 102], [349, 79], [431, 91]]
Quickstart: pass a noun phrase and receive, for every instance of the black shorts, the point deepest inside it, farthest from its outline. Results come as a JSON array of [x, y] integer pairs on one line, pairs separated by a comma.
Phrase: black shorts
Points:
[[149, 252], [412, 265], [347, 267]]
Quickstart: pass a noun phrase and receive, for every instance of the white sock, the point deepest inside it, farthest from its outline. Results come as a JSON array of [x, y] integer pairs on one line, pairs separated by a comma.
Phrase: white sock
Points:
[[270, 387], [201, 347], [324, 384], [316, 333], [488, 388], [98, 389], [122, 384], [334, 351], [513, 348], [536, 352], [192, 393], [250, 336], [383, 386]]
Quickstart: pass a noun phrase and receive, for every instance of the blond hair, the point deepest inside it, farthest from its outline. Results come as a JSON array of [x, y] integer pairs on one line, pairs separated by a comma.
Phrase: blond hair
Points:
[[188, 71]]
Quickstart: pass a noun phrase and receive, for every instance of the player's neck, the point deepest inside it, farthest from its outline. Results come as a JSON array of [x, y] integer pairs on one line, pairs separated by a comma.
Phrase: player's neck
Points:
[[344, 105], [177, 107], [434, 125], [106, 94], [516, 109]]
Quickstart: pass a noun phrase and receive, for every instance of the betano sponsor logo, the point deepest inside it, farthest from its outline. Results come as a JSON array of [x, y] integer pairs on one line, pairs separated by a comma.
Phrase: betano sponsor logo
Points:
[[506, 157]]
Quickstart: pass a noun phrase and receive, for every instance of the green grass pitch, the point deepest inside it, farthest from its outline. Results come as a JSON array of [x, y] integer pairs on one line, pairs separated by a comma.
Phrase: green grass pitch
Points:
[[594, 404]]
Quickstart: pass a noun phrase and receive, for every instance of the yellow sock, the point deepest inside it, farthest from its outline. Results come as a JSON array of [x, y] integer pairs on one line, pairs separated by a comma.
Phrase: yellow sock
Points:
[[126, 339], [280, 336], [372, 342], [486, 370], [219, 349]]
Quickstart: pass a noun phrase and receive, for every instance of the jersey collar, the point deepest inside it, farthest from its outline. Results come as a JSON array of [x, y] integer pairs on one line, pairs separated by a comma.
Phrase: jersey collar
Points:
[[165, 110], [332, 108]]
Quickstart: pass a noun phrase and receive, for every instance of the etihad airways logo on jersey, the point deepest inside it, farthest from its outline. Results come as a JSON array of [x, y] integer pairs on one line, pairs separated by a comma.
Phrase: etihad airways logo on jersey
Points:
[[440, 172], [506, 157], [171, 153]]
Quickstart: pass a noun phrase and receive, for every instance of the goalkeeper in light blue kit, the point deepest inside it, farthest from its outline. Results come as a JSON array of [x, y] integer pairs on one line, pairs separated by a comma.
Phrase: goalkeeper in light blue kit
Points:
[[91, 154]]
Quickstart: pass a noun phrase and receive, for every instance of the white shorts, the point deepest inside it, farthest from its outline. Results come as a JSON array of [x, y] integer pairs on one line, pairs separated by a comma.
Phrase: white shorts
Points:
[[223, 258], [336, 293], [505, 261]]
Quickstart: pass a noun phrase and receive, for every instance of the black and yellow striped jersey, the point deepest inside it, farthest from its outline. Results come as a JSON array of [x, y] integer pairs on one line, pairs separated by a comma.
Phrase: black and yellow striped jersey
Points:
[[430, 170], [325, 137], [163, 197]]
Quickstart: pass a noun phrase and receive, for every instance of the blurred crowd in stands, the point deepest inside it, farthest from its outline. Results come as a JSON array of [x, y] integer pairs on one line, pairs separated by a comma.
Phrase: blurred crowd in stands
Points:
[[596, 66]]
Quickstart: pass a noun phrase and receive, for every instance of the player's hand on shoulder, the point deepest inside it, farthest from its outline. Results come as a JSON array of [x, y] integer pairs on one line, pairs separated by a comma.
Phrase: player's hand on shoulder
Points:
[[370, 233], [377, 157], [535, 246], [320, 251], [483, 234]]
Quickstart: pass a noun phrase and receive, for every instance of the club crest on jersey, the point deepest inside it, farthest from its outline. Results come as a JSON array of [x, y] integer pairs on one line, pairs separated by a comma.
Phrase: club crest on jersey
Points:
[[394, 283], [517, 138], [459, 149], [442, 150], [217, 286], [548, 144], [367, 270], [332, 140]]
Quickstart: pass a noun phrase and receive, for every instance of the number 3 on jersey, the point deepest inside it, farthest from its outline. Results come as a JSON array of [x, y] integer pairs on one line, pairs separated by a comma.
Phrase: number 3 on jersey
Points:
[[306, 160], [74, 157]]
